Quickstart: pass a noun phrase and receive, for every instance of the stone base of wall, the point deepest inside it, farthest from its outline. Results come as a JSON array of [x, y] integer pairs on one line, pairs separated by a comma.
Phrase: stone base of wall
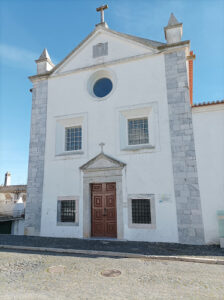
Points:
[[221, 242]]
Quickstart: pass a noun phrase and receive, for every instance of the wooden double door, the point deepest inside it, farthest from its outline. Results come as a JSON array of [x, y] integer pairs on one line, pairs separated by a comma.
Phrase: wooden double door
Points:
[[103, 207]]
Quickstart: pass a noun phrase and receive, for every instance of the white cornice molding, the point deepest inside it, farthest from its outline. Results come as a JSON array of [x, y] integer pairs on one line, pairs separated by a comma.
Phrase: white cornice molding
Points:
[[208, 108], [49, 75]]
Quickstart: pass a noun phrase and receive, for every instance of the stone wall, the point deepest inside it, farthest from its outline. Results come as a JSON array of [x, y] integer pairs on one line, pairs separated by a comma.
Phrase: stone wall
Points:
[[187, 195], [36, 159]]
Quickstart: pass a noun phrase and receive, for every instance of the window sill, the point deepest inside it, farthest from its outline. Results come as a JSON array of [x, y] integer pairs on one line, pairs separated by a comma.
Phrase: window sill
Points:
[[67, 224], [66, 153], [138, 147], [142, 226]]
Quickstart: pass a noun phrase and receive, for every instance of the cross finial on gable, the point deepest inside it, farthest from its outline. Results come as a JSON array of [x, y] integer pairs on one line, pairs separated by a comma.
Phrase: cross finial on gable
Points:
[[101, 9], [101, 146]]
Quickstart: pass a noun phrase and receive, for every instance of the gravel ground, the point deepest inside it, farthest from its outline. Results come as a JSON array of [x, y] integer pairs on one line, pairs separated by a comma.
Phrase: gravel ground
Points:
[[47, 276]]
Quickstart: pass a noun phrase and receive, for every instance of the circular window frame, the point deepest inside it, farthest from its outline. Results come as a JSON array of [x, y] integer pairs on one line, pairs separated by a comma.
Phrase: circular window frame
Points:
[[99, 75]]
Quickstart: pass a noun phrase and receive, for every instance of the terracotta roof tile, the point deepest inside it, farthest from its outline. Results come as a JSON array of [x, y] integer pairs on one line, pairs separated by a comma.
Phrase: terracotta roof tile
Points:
[[13, 188], [208, 103]]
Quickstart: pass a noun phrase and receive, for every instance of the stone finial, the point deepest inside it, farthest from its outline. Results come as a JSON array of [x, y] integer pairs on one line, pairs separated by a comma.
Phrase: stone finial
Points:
[[172, 20], [44, 62], [7, 179], [44, 55], [173, 30]]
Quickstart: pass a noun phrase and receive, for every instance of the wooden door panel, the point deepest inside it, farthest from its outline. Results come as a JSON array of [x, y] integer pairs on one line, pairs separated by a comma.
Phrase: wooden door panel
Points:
[[110, 187], [111, 229], [98, 229], [97, 187], [104, 214], [98, 215], [110, 201], [97, 201], [111, 215]]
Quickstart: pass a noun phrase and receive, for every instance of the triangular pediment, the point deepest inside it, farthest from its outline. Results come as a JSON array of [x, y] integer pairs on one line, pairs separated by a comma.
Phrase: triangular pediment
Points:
[[120, 46], [102, 161]]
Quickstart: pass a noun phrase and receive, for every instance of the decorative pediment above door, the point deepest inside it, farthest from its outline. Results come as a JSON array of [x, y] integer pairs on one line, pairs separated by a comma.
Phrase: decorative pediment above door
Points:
[[102, 162]]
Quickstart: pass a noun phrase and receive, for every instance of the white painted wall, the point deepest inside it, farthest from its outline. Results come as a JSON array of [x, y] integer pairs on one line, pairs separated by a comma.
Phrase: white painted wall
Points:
[[8, 202], [138, 83], [208, 123]]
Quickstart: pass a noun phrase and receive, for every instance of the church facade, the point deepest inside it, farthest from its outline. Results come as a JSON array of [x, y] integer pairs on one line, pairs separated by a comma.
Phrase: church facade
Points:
[[118, 150]]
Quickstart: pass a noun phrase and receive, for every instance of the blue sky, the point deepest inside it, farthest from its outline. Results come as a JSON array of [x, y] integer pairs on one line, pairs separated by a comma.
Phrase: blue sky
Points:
[[28, 26]]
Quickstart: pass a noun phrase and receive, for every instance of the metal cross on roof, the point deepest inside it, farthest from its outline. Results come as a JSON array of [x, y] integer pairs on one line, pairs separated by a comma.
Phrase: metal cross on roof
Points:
[[101, 145], [101, 9]]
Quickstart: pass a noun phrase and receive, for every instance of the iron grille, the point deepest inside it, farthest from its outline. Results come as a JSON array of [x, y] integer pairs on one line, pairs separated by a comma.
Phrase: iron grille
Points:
[[141, 212], [138, 131], [73, 138], [68, 211]]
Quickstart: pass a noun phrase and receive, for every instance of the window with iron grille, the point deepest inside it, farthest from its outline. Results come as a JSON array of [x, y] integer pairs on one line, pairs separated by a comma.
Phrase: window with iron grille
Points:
[[100, 49], [141, 211], [138, 131], [73, 138], [68, 211]]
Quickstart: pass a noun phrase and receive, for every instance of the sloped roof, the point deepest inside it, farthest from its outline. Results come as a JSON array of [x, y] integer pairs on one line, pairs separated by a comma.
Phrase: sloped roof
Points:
[[208, 103], [137, 39], [13, 188]]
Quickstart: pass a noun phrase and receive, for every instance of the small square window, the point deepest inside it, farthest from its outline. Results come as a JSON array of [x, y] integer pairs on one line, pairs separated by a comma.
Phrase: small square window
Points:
[[73, 138], [100, 49], [141, 211], [70, 136], [138, 131], [139, 128], [67, 211]]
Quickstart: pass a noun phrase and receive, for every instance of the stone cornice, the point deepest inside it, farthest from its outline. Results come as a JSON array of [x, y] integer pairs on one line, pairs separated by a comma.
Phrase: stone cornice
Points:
[[45, 59], [173, 26], [174, 45], [39, 77]]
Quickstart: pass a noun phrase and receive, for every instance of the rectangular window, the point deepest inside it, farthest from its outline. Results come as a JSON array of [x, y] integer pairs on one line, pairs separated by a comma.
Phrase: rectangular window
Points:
[[138, 131], [68, 211], [141, 211], [73, 138], [100, 49]]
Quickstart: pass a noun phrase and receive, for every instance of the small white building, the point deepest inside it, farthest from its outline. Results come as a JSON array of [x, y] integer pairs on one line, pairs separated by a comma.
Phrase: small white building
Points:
[[116, 148], [12, 207]]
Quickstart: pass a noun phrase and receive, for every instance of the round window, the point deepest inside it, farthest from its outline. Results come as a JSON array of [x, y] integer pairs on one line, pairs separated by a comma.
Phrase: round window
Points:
[[102, 87]]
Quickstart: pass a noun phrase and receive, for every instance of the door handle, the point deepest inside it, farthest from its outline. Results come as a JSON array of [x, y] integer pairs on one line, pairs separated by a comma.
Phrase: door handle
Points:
[[105, 212]]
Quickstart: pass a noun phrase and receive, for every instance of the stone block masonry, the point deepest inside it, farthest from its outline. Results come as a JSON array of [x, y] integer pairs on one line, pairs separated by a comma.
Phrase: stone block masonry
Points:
[[36, 158], [187, 194]]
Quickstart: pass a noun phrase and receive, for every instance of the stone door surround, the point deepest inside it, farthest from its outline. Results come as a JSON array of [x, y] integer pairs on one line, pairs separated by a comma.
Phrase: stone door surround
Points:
[[102, 169]]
